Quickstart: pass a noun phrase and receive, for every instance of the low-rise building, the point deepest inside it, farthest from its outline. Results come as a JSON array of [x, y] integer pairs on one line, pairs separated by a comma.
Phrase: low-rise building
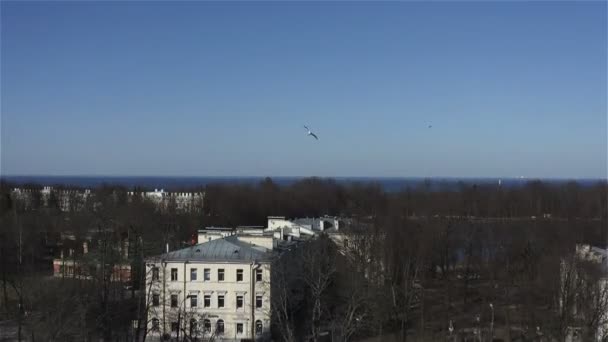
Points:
[[80, 259], [285, 229]]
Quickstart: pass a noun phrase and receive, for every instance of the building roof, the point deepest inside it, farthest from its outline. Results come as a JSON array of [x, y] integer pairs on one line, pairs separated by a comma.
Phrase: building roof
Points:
[[216, 229], [228, 249]]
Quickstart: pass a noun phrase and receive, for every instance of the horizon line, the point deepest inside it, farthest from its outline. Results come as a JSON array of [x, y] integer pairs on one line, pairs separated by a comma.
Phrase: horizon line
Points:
[[304, 177]]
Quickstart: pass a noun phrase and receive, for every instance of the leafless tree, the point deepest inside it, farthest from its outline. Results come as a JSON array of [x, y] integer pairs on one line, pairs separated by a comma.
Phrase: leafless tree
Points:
[[318, 268]]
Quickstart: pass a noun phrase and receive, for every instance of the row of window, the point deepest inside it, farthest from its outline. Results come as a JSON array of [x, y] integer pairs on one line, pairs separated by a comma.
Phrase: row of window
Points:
[[206, 274], [240, 301], [219, 327]]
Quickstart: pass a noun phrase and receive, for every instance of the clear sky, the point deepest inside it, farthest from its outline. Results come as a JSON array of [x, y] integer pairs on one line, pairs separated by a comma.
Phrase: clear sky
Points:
[[223, 89]]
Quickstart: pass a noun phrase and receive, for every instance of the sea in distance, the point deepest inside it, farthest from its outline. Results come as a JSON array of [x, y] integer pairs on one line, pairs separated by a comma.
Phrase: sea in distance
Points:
[[168, 183]]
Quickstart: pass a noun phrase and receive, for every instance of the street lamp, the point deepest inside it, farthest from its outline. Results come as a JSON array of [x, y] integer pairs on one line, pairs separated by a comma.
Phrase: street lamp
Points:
[[478, 329], [451, 329], [492, 323]]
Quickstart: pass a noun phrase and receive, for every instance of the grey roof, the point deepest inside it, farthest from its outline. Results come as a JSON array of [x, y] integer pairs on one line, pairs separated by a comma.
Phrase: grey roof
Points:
[[226, 249]]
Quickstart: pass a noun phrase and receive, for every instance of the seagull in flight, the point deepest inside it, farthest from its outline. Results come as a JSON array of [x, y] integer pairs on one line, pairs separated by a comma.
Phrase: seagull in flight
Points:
[[430, 126], [311, 133]]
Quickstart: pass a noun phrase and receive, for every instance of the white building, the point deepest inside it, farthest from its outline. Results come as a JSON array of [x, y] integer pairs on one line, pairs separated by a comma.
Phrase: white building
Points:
[[598, 256], [184, 201], [593, 294], [212, 233], [66, 199], [215, 290], [301, 228], [219, 289]]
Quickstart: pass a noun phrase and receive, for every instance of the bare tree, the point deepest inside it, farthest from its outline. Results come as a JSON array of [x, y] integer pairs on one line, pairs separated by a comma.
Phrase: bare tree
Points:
[[286, 295], [318, 268]]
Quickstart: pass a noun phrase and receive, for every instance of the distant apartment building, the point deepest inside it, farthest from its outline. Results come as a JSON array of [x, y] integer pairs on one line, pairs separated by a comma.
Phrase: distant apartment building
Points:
[[181, 201], [48, 196], [75, 199]]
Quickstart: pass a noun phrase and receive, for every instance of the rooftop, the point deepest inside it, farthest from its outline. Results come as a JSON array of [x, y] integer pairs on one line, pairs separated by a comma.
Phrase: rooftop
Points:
[[226, 249]]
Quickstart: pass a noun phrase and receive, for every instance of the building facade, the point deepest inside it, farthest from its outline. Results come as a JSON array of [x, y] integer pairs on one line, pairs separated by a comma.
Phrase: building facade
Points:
[[215, 290], [80, 259], [65, 199], [181, 201]]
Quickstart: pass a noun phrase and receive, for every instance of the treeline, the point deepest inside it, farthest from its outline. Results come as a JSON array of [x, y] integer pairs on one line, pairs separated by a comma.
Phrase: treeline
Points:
[[246, 204], [438, 279]]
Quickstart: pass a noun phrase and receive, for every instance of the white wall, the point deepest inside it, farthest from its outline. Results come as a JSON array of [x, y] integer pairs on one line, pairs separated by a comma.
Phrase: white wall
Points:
[[230, 288], [210, 236], [274, 223]]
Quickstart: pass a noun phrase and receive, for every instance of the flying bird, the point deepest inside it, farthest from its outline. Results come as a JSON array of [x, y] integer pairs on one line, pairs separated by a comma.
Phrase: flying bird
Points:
[[430, 126], [311, 133]]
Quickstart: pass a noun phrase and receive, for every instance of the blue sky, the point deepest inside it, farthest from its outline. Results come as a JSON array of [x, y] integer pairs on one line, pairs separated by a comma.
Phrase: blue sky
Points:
[[223, 89]]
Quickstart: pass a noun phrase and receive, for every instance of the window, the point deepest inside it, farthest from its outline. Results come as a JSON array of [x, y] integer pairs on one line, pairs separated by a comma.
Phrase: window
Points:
[[154, 273], [207, 274], [239, 328], [258, 327], [258, 274], [174, 326], [155, 299], [219, 329], [239, 275], [192, 274], [174, 274], [173, 300], [155, 324], [207, 326], [239, 301], [258, 301], [193, 301], [220, 301], [207, 300], [220, 274]]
